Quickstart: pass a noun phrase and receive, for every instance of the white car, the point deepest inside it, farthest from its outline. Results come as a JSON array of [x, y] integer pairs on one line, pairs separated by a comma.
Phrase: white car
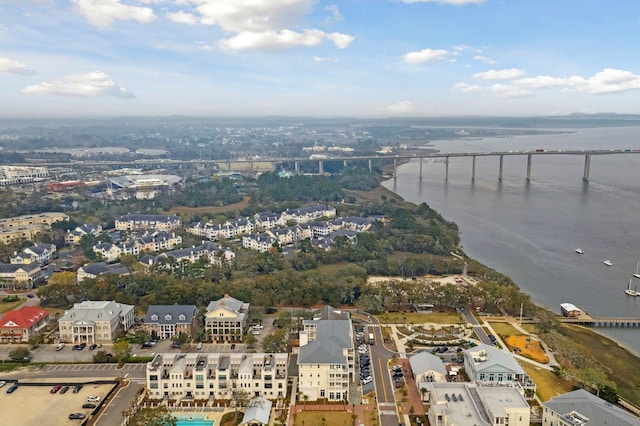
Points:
[[2, 383], [199, 346], [367, 380], [93, 398]]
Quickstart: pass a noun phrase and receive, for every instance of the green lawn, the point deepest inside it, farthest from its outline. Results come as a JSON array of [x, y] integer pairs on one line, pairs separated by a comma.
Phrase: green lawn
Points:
[[322, 418], [7, 306], [419, 318], [548, 384]]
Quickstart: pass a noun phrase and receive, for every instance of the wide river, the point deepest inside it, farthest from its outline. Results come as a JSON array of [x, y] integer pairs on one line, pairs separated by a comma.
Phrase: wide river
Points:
[[530, 230]]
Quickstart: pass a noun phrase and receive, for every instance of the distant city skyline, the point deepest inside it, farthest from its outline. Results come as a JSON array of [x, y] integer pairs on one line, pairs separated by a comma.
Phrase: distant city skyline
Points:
[[356, 58]]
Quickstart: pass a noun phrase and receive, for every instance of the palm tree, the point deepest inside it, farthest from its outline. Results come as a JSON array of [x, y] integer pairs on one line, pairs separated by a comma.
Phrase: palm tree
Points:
[[423, 391]]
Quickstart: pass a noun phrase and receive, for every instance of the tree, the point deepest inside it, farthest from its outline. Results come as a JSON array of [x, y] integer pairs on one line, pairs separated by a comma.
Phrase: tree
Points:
[[157, 416], [20, 354], [35, 340], [240, 398], [142, 336], [102, 357], [121, 351]]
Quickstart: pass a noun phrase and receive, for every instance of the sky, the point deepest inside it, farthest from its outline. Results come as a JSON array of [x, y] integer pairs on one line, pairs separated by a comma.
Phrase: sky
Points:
[[336, 58]]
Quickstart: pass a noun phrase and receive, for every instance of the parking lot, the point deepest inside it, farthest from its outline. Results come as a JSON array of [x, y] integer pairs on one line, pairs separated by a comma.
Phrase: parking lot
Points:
[[36, 405]]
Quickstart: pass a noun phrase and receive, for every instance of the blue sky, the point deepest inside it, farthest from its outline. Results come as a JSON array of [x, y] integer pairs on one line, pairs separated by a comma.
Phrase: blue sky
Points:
[[360, 58]]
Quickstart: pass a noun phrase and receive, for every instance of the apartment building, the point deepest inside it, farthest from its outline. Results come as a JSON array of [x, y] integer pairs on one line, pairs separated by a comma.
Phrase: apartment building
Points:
[[19, 325], [167, 321], [38, 253], [44, 220], [20, 276], [74, 236], [581, 408], [95, 322], [142, 222], [226, 319], [211, 376], [326, 356]]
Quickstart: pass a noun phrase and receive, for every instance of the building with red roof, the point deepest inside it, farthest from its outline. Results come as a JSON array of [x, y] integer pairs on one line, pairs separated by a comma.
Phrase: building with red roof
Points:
[[18, 326]]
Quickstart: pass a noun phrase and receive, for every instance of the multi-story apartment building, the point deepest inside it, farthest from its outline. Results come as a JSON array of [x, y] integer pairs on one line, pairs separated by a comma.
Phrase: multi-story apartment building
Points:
[[326, 357], [39, 253], [92, 270], [457, 403], [226, 319], [14, 175], [142, 222], [108, 252], [213, 376], [580, 408], [43, 219], [95, 322], [167, 321], [20, 276], [486, 364], [19, 325], [74, 236]]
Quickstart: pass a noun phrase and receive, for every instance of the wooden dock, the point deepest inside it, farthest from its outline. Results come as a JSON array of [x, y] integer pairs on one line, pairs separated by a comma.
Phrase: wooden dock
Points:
[[587, 319]]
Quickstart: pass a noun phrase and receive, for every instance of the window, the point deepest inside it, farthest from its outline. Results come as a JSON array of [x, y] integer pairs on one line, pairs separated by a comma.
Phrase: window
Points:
[[321, 393]]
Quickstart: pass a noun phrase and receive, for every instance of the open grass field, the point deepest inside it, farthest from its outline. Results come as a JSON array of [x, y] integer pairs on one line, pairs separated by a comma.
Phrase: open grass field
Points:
[[527, 346], [7, 306], [323, 418], [210, 209], [548, 384], [419, 318], [503, 328]]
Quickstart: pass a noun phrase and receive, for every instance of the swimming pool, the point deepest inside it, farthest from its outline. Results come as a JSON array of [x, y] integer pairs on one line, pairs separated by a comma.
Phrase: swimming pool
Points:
[[193, 420]]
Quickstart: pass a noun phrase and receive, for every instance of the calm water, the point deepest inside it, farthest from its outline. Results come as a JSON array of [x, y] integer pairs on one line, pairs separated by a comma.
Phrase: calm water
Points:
[[529, 231], [193, 420]]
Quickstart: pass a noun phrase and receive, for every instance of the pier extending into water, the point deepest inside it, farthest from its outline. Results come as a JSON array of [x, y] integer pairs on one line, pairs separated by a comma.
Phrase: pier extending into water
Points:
[[584, 318]]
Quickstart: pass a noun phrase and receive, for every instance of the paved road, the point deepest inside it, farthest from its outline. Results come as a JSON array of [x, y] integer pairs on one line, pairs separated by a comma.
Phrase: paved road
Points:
[[379, 366], [477, 327], [134, 372]]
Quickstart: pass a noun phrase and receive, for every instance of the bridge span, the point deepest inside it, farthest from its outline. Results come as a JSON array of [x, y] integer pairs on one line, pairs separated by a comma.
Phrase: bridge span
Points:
[[229, 163]]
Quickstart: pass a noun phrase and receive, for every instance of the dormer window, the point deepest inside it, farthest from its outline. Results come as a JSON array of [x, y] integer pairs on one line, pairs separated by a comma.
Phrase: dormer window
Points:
[[182, 317], [154, 317], [167, 317]]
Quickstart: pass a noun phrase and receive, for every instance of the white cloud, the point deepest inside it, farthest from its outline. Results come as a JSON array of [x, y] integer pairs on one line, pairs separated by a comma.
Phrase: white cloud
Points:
[[91, 84], [102, 13], [425, 55], [484, 59], [334, 15], [400, 107], [240, 16], [323, 59], [541, 81], [467, 88], [506, 74], [14, 67], [272, 40], [609, 80], [453, 2], [509, 91], [182, 17]]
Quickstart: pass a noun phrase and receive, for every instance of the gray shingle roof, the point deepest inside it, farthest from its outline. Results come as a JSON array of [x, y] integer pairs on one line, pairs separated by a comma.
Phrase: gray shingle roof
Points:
[[598, 411], [170, 314], [425, 361], [332, 337]]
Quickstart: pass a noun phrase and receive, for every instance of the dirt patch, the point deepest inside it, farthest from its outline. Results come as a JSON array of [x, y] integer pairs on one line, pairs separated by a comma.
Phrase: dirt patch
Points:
[[211, 209], [528, 347]]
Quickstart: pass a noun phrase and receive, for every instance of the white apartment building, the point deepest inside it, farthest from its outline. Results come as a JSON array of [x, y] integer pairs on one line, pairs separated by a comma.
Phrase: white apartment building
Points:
[[326, 357], [95, 322], [210, 376]]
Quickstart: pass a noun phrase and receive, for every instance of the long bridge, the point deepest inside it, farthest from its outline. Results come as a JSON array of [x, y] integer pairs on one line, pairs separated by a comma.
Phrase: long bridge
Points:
[[584, 318], [228, 163]]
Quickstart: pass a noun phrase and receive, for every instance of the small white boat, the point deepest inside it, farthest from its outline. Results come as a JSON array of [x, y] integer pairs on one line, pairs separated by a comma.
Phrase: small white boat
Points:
[[579, 251], [637, 275], [630, 292], [608, 263]]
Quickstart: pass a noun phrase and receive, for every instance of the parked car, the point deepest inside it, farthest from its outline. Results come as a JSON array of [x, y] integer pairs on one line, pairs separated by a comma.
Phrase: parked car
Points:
[[12, 388], [55, 389], [199, 346], [2, 383], [77, 388], [77, 416], [93, 346], [60, 346], [88, 405], [93, 398], [30, 296], [64, 389]]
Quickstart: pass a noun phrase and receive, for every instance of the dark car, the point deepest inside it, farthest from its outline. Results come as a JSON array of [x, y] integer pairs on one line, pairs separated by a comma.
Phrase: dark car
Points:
[[64, 389], [88, 405], [30, 296], [12, 388], [233, 346], [92, 347], [81, 346], [77, 416], [77, 388]]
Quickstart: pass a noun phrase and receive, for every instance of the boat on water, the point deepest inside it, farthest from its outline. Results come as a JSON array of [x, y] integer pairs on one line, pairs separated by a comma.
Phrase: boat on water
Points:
[[637, 275], [630, 292], [608, 263], [579, 251]]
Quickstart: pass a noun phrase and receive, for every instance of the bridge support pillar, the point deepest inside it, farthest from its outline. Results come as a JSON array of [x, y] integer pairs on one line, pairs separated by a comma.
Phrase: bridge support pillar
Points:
[[446, 168], [370, 167], [529, 167], [587, 167], [473, 168], [320, 167], [500, 168], [228, 165], [420, 177], [251, 165], [344, 163], [395, 167], [296, 166]]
